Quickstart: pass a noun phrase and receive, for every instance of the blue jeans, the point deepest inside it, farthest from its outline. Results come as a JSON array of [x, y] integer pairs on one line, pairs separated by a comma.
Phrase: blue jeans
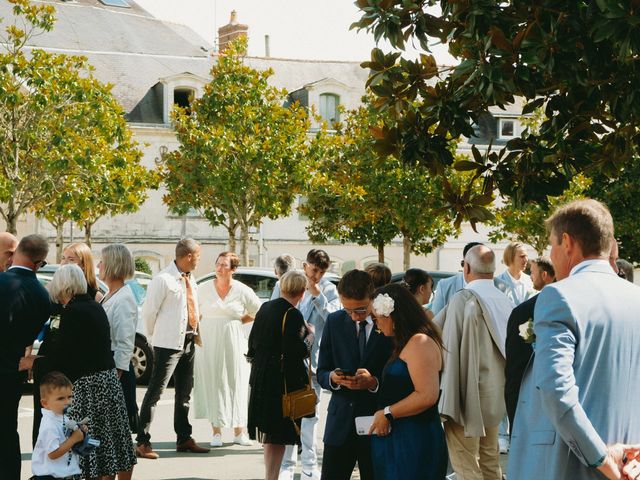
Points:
[[167, 363]]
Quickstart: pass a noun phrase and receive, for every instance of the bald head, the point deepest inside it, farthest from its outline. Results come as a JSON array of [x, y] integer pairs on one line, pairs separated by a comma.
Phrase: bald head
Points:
[[479, 263], [8, 244]]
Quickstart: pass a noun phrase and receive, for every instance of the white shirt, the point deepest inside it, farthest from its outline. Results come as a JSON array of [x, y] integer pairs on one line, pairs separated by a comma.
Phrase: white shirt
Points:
[[50, 437], [164, 311], [122, 311], [517, 290], [498, 305]]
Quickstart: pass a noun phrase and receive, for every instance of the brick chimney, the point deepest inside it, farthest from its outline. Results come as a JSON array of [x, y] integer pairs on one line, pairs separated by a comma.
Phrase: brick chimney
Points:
[[231, 31]]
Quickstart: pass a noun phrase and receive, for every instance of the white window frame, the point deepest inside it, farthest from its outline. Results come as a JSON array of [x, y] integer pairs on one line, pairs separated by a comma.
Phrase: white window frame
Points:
[[516, 128]]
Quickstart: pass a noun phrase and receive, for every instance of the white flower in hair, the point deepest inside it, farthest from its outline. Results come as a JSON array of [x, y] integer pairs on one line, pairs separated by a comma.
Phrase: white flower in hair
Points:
[[383, 305]]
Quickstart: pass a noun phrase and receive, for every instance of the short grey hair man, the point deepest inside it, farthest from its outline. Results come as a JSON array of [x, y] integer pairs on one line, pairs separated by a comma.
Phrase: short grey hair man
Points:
[[283, 264]]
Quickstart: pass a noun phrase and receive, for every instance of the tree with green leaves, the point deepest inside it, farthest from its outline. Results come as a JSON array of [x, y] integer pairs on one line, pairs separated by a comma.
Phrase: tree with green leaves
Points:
[[526, 222], [354, 196], [242, 153], [620, 194], [578, 59], [58, 124]]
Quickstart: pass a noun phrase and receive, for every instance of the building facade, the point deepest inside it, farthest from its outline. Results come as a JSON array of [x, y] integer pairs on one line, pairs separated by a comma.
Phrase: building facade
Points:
[[154, 65]]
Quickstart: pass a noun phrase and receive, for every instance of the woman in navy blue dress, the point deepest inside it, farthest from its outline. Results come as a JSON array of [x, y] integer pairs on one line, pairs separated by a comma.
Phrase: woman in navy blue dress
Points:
[[407, 436]]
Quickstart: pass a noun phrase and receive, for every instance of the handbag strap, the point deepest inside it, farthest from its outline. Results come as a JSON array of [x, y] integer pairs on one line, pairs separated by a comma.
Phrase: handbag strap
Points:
[[284, 377]]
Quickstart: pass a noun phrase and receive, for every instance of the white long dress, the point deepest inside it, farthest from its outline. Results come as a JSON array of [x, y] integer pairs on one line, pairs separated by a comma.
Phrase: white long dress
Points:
[[221, 371]]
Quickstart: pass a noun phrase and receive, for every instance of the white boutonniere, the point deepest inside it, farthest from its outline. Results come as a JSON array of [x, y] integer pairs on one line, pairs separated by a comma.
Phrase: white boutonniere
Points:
[[54, 323], [526, 331], [383, 305]]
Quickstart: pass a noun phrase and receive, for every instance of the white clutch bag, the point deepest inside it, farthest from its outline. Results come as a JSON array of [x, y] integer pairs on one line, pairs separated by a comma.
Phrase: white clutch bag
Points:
[[363, 424]]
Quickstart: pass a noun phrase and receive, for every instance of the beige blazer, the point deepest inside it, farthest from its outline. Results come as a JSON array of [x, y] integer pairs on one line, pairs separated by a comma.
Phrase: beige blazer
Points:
[[473, 374]]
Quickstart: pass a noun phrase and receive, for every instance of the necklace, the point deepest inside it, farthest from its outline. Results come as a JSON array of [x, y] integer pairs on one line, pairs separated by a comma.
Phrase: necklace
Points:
[[110, 294]]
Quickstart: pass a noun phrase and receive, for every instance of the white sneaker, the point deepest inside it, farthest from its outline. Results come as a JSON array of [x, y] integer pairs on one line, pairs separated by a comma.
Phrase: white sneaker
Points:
[[216, 441], [314, 474], [285, 475], [242, 439], [503, 445]]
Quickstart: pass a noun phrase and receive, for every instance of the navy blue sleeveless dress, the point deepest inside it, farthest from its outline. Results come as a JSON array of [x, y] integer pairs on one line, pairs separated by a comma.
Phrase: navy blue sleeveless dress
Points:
[[416, 447]]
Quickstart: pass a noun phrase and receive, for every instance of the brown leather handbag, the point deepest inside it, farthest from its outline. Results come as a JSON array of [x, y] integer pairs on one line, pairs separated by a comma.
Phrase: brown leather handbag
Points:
[[299, 403]]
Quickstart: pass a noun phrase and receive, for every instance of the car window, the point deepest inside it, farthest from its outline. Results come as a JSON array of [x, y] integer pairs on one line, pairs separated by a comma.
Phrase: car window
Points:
[[262, 285]]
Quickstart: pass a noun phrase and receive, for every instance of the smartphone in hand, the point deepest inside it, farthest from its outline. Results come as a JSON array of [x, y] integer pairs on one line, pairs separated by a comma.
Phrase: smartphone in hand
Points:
[[345, 373]]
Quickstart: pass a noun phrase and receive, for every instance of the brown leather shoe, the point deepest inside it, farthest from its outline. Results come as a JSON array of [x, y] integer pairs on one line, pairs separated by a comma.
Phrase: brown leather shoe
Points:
[[144, 450], [191, 446]]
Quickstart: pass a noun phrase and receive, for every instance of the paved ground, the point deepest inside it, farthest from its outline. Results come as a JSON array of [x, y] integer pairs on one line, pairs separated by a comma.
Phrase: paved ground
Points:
[[230, 462]]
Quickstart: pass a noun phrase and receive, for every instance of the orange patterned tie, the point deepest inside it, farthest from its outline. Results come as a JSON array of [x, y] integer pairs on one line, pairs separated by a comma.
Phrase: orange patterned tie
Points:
[[191, 304]]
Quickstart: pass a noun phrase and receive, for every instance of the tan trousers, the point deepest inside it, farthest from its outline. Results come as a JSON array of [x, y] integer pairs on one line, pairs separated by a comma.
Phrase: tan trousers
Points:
[[473, 458]]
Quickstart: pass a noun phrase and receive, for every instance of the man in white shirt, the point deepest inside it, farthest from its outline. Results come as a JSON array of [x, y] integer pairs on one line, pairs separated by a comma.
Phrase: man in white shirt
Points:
[[170, 313]]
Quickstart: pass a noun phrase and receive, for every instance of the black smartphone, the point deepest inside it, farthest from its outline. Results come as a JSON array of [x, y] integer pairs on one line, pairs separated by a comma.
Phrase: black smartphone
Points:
[[345, 373]]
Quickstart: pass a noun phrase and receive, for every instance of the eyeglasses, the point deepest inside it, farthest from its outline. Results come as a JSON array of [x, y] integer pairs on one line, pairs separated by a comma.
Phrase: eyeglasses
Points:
[[41, 264], [357, 311]]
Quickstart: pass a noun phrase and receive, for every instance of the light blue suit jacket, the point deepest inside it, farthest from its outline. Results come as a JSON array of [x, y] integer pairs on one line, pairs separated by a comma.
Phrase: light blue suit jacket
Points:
[[446, 289], [580, 389]]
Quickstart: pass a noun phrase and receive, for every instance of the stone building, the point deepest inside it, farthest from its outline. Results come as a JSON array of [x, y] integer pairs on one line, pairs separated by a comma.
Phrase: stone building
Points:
[[153, 65]]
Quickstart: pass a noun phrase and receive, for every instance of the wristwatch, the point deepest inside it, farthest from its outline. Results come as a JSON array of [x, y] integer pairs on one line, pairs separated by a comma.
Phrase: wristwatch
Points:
[[387, 413]]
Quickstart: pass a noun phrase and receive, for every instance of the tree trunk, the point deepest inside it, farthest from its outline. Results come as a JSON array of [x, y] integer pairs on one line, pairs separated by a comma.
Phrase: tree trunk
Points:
[[244, 244], [87, 233], [231, 227], [406, 252], [12, 221], [381, 252], [59, 240]]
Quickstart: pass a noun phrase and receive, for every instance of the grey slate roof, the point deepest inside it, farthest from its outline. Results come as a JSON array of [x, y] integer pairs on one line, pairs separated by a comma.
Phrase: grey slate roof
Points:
[[132, 50]]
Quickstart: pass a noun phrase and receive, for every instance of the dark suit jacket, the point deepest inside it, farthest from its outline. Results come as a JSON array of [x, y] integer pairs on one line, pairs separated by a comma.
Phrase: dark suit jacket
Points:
[[24, 308], [339, 349], [518, 353]]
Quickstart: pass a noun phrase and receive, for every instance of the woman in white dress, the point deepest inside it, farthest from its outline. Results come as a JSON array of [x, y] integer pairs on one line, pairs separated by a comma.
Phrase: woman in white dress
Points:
[[221, 371]]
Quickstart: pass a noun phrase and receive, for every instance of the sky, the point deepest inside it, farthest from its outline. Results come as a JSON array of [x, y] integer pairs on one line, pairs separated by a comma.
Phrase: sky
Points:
[[302, 29]]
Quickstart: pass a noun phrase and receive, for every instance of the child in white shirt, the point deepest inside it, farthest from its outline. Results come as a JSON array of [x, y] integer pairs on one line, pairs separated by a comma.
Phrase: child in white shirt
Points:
[[52, 456]]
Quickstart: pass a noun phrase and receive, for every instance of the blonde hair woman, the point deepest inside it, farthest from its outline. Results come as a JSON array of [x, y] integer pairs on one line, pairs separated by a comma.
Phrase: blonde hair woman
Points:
[[80, 254], [119, 303], [516, 284], [270, 342]]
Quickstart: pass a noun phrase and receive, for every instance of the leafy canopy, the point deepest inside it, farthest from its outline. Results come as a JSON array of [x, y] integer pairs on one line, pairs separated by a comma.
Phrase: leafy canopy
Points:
[[578, 59], [242, 153], [354, 196]]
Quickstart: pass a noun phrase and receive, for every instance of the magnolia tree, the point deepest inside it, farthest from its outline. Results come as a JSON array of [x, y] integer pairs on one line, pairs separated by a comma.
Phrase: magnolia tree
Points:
[[242, 153], [354, 196], [577, 59]]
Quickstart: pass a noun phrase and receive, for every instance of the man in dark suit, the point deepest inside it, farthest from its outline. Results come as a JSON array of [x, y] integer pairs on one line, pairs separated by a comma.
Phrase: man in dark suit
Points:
[[24, 307], [517, 350], [350, 344]]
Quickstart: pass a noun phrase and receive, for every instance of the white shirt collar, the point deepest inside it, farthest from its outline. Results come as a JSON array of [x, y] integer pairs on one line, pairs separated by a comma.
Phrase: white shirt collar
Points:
[[585, 264], [12, 267]]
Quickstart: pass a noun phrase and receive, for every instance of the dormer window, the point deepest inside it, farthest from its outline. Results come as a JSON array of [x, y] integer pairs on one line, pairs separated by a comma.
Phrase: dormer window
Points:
[[328, 107]]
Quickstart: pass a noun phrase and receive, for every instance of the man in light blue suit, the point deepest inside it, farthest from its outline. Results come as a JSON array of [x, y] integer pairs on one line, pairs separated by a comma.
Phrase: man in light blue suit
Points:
[[580, 391], [448, 287]]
